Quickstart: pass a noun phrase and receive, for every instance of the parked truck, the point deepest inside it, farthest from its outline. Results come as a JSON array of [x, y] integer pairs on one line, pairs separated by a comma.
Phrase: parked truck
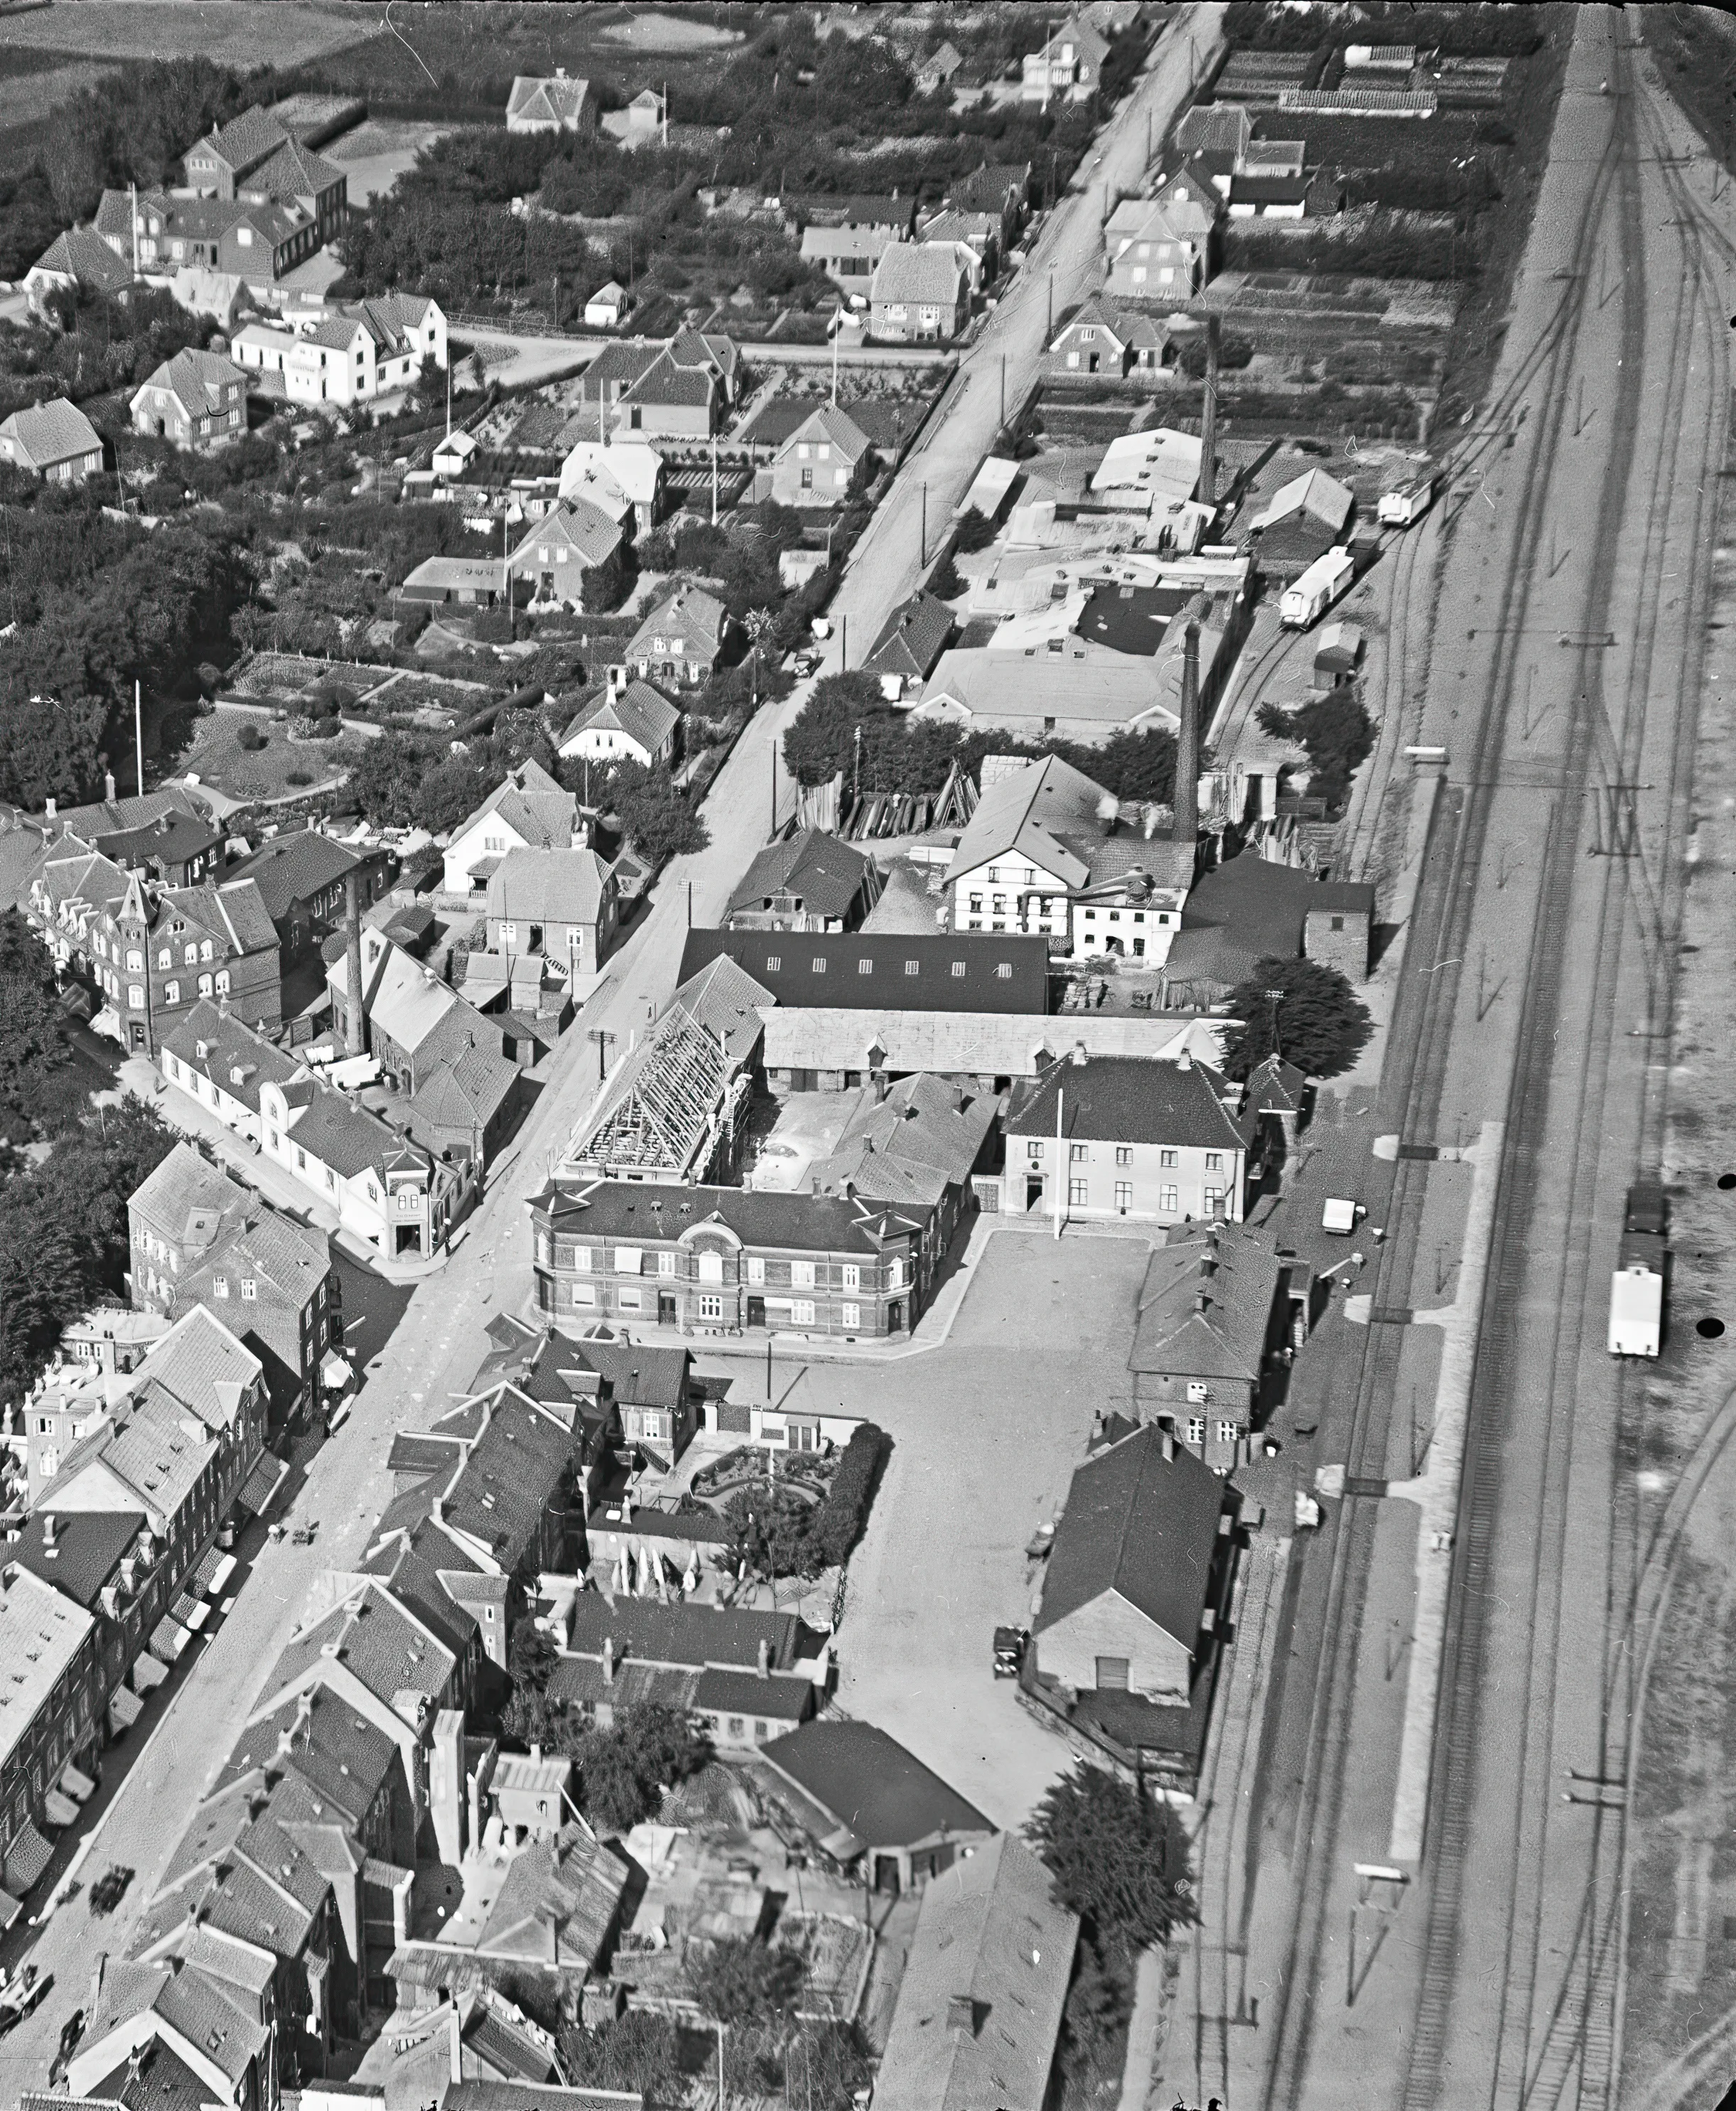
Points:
[[1308, 598], [1636, 1305], [1405, 506]]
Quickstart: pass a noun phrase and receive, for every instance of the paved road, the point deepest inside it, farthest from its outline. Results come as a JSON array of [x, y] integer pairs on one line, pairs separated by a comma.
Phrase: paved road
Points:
[[441, 1342], [1490, 1978]]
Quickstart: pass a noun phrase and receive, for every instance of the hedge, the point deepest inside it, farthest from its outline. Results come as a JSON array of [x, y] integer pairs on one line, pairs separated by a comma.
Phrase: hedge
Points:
[[839, 1522]]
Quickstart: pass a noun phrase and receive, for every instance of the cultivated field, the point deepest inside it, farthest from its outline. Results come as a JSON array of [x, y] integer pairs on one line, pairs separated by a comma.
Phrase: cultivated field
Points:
[[237, 33]]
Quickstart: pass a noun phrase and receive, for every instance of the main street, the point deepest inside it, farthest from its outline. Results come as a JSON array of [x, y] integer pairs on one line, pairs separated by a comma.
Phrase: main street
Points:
[[1464, 1755], [441, 1340]]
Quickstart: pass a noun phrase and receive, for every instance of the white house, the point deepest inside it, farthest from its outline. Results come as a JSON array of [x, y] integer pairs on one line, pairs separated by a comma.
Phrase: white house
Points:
[[541, 105], [606, 306], [347, 356], [624, 478], [1044, 835], [451, 458], [638, 722], [527, 810]]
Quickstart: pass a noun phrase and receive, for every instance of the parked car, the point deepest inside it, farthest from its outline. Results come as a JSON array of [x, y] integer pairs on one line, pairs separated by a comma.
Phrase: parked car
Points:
[[110, 1888], [1010, 1644]]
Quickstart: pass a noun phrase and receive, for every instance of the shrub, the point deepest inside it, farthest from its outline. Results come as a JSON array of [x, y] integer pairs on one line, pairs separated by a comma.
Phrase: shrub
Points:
[[325, 729], [839, 1523], [976, 531], [299, 776], [250, 738]]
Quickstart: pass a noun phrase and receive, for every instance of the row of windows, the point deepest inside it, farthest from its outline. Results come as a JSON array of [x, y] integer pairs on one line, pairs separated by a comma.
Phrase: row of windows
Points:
[[804, 1312], [817, 966], [630, 1260], [1079, 1154]]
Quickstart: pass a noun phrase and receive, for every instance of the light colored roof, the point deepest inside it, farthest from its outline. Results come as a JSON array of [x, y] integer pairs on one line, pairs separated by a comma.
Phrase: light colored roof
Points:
[[1159, 461], [55, 431], [407, 1000], [1033, 813], [40, 1632], [539, 811], [552, 101], [204, 1365], [970, 1043], [919, 272], [547, 887], [960, 223], [1021, 689], [634, 468], [1314, 493], [984, 1989], [1215, 128], [611, 292], [643, 713], [690, 614], [461, 445], [81, 253]]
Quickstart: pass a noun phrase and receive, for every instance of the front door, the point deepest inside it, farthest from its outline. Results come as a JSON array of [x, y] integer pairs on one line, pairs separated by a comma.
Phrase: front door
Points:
[[665, 1308], [138, 1034], [756, 1312], [894, 1315]]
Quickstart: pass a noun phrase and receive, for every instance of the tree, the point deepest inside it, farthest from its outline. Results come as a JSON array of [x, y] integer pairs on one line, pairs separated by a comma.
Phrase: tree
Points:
[[975, 532], [821, 739], [1108, 1845], [740, 1982], [637, 2051], [1337, 734], [532, 1657], [660, 821], [771, 1529], [945, 580], [40, 1093], [624, 1771], [1318, 1023]]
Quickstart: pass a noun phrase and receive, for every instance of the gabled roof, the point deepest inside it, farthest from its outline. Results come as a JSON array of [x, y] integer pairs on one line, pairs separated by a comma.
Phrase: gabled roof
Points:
[[371, 1635], [919, 272], [1215, 128], [1314, 493], [549, 102], [1033, 814], [548, 886], [639, 712], [667, 382], [633, 1211], [465, 1090], [698, 619], [925, 1135], [1205, 1308], [1129, 1099], [87, 1548], [1141, 1525], [633, 468], [575, 524], [538, 808], [293, 170], [81, 253], [246, 140], [989, 1931], [832, 427], [55, 431], [913, 638], [985, 189], [196, 380], [295, 867], [869, 1784], [827, 876]]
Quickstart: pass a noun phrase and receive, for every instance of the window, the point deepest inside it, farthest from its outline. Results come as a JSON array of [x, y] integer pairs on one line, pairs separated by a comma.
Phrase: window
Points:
[[135, 964], [136, 998], [1078, 1154], [852, 1276], [756, 1271], [584, 1295], [1214, 1161], [1167, 1160], [1003, 971], [1197, 1392], [172, 993], [204, 984], [166, 958], [864, 967], [1034, 1147], [976, 904], [711, 1268], [912, 967], [190, 957], [1169, 1200], [1124, 1154], [1112, 1674], [711, 1307], [819, 965], [223, 982], [801, 1274], [581, 1260], [773, 962], [851, 1316], [1196, 1429], [958, 968], [628, 1260], [221, 1285], [666, 1264], [895, 1274], [801, 1312], [1212, 1200], [1078, 1194], [1124, 1195], [1337, 924], [249, 1291], [1226, 1432]]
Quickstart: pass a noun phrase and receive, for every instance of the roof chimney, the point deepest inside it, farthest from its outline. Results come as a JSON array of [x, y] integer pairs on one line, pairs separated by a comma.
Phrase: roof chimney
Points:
[[764, 1664], [961, 2016], [1109, 813], [1184, 1061], [609, 1660], [1078, 1057], [1187, 740], [51, 1526], [108, 786]]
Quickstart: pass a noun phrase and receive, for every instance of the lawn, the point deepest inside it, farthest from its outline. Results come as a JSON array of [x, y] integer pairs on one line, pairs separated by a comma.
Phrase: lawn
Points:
[[215, 756], [234, 33]]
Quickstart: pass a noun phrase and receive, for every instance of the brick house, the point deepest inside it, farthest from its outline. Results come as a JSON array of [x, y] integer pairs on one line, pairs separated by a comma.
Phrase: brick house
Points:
[[302, 877], [49, 1644], [823, 462], [571, 558], [563, 903], [680, 641], [920, 294], [1160, 248], [715, 1259], [1136, 1137], [810, 882], [53, 440], [257, 156]]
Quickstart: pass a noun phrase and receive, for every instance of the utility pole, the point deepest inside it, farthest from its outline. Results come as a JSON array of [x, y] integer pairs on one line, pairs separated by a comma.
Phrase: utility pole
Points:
[[1060, 1163], [138, 734], [1049, 331], [714, 480], [1004, 389], [922, 545], [837, 326], [843, 644]]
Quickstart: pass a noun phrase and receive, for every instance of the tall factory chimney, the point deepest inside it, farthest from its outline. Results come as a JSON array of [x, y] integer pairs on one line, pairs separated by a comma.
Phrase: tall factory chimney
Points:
[[352, 963], [1208, 420], [1187, 740]]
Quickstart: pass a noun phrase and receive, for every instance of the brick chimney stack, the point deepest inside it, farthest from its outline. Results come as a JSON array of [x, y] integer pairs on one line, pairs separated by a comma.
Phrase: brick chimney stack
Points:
[[1187, 740], [353, 1023]]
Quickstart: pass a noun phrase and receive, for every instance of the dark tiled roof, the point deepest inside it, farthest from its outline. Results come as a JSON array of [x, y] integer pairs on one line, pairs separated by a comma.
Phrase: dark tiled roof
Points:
[[1142, 1525], [1128, 1099], [914, 637], [622, 1209], [530, 2096], [889, 984], [1205, 1308], [1258, 907], [869, 1782], [294, 867], [514, 1471], [827, 874], [783, 1700], [1130, 619], [87, 1548], [691, 1635]]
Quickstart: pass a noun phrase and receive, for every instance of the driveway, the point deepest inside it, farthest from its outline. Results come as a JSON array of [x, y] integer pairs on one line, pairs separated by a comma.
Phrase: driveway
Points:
[[987, 1431]]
